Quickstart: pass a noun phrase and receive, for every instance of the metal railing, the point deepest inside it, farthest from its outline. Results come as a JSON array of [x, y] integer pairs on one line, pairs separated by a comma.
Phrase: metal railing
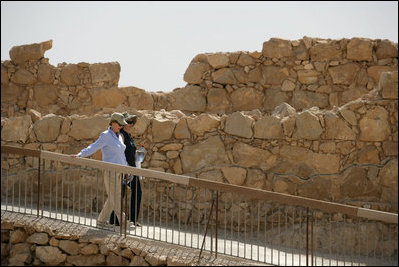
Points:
[[265, 226]]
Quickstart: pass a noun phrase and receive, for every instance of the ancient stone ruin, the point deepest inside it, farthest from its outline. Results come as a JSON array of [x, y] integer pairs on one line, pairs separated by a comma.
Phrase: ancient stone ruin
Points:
[[310, 117]]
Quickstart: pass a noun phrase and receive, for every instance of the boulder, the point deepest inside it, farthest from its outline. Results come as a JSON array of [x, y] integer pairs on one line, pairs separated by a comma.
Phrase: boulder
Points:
[[47, 128], [50, 255], [277, 48], [83, 127], [239, 124], [360, 49], [16, 129], [209, 152], [23, 53], [374, 125]]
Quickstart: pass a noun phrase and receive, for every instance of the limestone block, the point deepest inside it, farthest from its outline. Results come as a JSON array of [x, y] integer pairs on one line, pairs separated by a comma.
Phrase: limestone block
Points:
[[48, 128], [224, 76], [20, 54], [16, 129], [246, 99], [360, 49], [45, 94], [50, 255], [368, 154], [70, 74], [86, 260], [389, 181], [288, 86], [23, 76], [195, 71], [283, 110], [306, 99], [376, 71], [84, 127], [268, 127], [273, 98], [18, 236], [217, 100], [172, 146], [344, 74], [139, 98], [116, 260], [38, 238], [162, 129], [198, 125], [356, 184], [209, 152], [105, 72], [218, 60], [307, 126], [374, 125], [4, 77], [321, 163], [248, 156], [108, 98], [318, 188], [336, 128], [34, 114], [301, 51], [20, 253], [140, 126], [239, 124], [139, 261], [352, 94], [70, 247], [213, 175], [181, 130], [308, 76], [245, 60], [189, 98], [386, 49], [256, 179], [255, 75], [274, 75], [277, 48], [326, 51], [288, 124], [390, 148], [389, 85], [10, 93], [234, 175], [46, 73]]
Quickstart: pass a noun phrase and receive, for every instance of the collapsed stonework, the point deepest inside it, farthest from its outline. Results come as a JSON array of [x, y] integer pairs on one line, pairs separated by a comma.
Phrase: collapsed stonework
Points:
[[312, 117]]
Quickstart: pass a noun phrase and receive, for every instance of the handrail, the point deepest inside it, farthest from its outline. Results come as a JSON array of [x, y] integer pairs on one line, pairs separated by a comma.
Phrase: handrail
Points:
[[192, 181]]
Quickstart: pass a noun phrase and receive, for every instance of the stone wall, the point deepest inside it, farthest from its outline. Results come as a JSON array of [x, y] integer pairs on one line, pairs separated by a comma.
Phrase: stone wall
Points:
[[303, 73], [310, 117], [347, 154], [27, 240]]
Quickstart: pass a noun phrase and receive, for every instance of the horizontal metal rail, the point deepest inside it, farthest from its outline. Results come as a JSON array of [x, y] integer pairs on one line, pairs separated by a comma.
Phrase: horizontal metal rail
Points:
[[265, 226], [197, 182]]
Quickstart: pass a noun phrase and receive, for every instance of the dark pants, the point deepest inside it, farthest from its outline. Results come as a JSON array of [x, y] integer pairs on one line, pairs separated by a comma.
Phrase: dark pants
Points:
[[135, 200]]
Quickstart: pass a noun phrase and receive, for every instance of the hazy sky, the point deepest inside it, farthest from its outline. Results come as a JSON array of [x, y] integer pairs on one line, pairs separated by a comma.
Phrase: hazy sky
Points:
[[154, 42]]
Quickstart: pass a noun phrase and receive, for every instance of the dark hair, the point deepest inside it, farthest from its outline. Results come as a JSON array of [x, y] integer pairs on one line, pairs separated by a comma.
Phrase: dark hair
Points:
[[132, 120]]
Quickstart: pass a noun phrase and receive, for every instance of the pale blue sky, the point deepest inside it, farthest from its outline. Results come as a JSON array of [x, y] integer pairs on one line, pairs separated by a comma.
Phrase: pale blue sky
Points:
[[154, 42]]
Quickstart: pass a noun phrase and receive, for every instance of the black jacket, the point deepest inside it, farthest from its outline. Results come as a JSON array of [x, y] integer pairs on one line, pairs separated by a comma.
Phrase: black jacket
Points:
[[130, 151]]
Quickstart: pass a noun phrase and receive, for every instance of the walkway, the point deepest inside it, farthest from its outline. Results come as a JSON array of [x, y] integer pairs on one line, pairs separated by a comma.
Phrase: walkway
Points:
[[170, 238]]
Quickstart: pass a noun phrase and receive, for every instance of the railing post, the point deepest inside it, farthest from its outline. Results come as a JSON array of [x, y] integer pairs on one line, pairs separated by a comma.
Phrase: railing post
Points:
[[216, 224], [206, 229], [307, 236], [38, 188]]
